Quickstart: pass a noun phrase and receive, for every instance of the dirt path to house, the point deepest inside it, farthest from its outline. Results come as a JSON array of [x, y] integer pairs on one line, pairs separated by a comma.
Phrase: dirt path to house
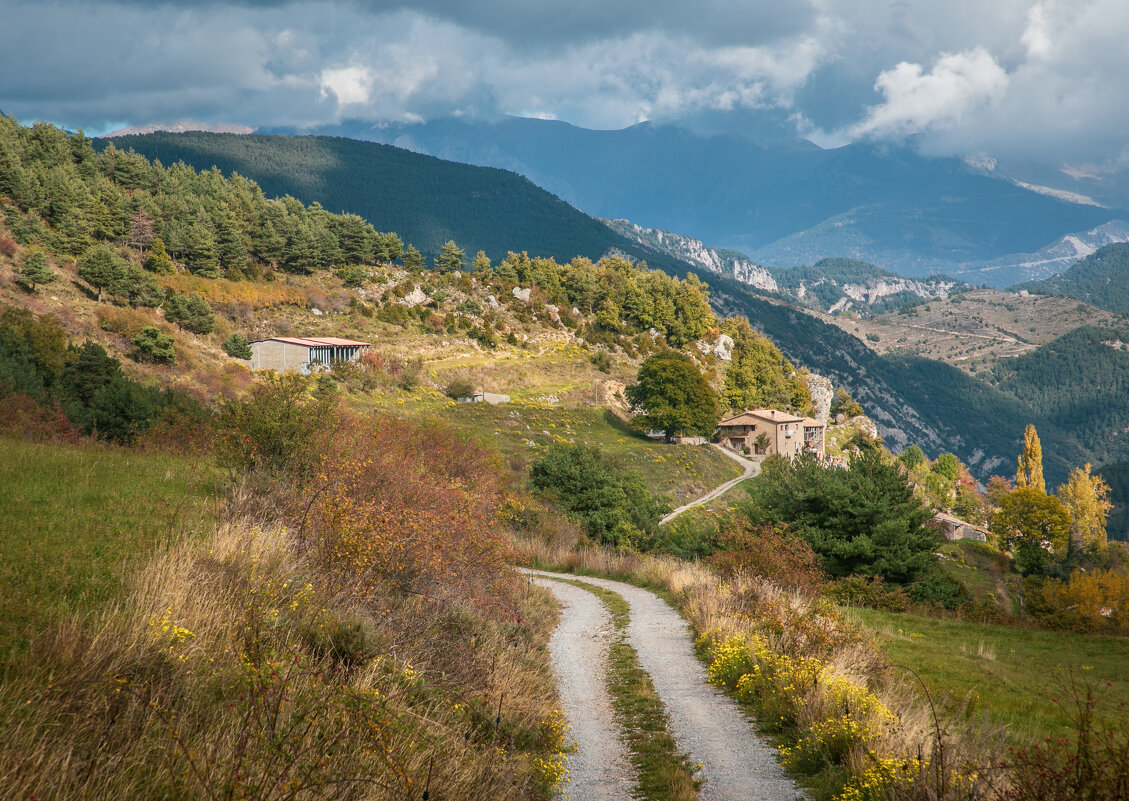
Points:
[[705, 723], [598, 768], [752, 468]]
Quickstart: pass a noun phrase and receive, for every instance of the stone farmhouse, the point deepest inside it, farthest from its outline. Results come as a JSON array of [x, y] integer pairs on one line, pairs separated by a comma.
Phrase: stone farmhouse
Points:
[[303, 354], [769, 431]]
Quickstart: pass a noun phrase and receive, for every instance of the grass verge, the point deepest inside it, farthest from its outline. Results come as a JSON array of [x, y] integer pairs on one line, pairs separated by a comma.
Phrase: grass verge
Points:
[[663, 772]]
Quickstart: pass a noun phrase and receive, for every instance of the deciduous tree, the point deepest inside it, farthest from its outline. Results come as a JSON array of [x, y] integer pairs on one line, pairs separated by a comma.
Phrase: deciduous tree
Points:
[[1086, 497], [672, 396], [1030, 472]]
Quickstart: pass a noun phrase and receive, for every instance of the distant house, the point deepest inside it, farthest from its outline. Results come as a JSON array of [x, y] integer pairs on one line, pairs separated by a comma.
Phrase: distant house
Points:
[[493, 398], [953, 528], [769, 431], [303, 354]]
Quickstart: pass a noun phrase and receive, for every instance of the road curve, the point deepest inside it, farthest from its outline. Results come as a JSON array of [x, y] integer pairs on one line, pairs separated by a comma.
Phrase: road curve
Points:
[[751, 469], [705, 723], [598, 768]]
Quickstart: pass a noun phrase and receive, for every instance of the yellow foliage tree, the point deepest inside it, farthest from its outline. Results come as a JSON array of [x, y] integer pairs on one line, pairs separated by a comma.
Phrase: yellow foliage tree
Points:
[[1086, 497], [1030, 473]]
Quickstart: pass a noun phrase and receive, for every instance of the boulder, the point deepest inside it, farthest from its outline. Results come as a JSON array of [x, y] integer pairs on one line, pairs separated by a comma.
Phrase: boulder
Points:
[[723, 348], [414, 298], [822, 393], [522, 294]]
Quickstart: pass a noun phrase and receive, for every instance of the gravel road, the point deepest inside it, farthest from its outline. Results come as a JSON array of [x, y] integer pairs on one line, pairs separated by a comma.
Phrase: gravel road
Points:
[[706, 724], [752, 468], [598, 768]]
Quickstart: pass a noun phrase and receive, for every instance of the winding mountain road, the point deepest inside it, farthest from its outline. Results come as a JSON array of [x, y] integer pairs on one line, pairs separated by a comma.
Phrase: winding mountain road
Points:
[[751, 469], [705, 723]]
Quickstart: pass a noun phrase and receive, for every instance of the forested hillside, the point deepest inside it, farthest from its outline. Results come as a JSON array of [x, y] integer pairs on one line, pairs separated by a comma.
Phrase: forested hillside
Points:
[[426, 200], [1101, 279], [1081, 381]]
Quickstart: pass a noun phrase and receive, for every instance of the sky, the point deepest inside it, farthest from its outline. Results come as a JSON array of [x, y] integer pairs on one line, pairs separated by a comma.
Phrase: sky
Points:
[[1042, 80]]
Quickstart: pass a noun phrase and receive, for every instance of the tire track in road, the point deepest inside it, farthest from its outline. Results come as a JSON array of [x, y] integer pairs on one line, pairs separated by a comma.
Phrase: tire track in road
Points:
[[598, 768]]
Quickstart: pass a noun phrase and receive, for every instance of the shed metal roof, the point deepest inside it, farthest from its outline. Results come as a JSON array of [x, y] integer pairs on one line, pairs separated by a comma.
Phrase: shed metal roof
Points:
[[315, 342]]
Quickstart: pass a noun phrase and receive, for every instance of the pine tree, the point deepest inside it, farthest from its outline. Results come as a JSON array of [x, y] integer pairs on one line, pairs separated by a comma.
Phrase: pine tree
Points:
[[1030, 472], [158, 259], [101, 268], [412, 258], [481, 265], [450, 258], [35, 271], [201, 257]]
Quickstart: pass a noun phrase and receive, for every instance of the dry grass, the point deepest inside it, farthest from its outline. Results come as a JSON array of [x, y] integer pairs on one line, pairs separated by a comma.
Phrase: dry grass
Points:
[[223, 674]]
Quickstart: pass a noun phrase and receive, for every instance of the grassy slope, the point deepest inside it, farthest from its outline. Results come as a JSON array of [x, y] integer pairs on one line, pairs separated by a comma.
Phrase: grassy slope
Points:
[[1008, 675], [75, 519], [677, 471]]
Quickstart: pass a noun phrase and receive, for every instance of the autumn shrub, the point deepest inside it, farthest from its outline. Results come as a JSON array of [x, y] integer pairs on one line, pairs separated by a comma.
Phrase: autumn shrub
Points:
[[768, 551], [224, 295], [8, 246], [395, 505], [25, 417], [1096, 600], [123, 320]]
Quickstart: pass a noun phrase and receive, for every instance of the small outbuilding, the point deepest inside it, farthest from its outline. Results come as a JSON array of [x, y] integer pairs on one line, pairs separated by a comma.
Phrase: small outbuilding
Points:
[[304, 354]]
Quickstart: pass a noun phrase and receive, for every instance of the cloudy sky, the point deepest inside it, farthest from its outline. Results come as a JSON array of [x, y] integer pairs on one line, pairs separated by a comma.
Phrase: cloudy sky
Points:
[[1044, 80]]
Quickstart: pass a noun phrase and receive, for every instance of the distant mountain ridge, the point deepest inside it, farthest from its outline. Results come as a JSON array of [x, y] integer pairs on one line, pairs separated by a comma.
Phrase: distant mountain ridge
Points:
[[830, 285], [783, 203]]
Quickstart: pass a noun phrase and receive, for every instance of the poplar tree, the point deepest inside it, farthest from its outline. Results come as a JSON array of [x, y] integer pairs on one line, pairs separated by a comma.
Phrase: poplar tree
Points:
[[1030, 472], [1086, 497]]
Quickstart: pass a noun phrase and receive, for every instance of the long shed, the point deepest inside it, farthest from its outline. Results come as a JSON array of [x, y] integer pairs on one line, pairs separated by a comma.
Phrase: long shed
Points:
[[304, 354]]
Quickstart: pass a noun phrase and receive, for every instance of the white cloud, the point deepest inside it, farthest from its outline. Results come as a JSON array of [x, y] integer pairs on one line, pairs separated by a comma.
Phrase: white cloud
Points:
[[350, 85], [917, 101]]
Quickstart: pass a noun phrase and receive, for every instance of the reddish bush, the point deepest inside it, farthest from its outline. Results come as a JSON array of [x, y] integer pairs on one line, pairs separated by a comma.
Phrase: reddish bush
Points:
[[8, 246], [396, 505], [23, 416], [1090, 767], [769, 551]]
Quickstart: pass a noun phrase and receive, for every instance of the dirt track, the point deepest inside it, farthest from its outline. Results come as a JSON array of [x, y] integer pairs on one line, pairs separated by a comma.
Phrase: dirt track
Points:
[[708, 725]]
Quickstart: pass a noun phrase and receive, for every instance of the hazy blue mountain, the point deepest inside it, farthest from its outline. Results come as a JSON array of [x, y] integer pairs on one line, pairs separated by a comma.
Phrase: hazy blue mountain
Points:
[[783, 203]]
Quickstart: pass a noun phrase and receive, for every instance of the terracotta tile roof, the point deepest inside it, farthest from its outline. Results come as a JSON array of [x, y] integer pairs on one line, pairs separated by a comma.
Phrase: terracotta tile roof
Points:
[[315, 341], [754, 415]]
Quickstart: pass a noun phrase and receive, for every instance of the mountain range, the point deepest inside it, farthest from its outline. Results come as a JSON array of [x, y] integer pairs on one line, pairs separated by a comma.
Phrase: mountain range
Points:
[[784, 202]]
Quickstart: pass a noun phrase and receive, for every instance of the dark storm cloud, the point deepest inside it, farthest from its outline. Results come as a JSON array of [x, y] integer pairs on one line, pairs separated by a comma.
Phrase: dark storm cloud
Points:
[[521, 22], [1037, 78]]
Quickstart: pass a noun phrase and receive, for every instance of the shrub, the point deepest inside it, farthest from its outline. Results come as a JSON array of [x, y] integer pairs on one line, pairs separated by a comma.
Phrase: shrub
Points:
[[154, 346], [459, 388], [354, 275], [237, 347], [281, 428], [611, 503], [603, 361], [771, 552], [190, 312]]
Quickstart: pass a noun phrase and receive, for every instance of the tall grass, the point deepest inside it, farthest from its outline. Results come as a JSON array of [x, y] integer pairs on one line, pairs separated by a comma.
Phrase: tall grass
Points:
[[75, 519], [223, 673]]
